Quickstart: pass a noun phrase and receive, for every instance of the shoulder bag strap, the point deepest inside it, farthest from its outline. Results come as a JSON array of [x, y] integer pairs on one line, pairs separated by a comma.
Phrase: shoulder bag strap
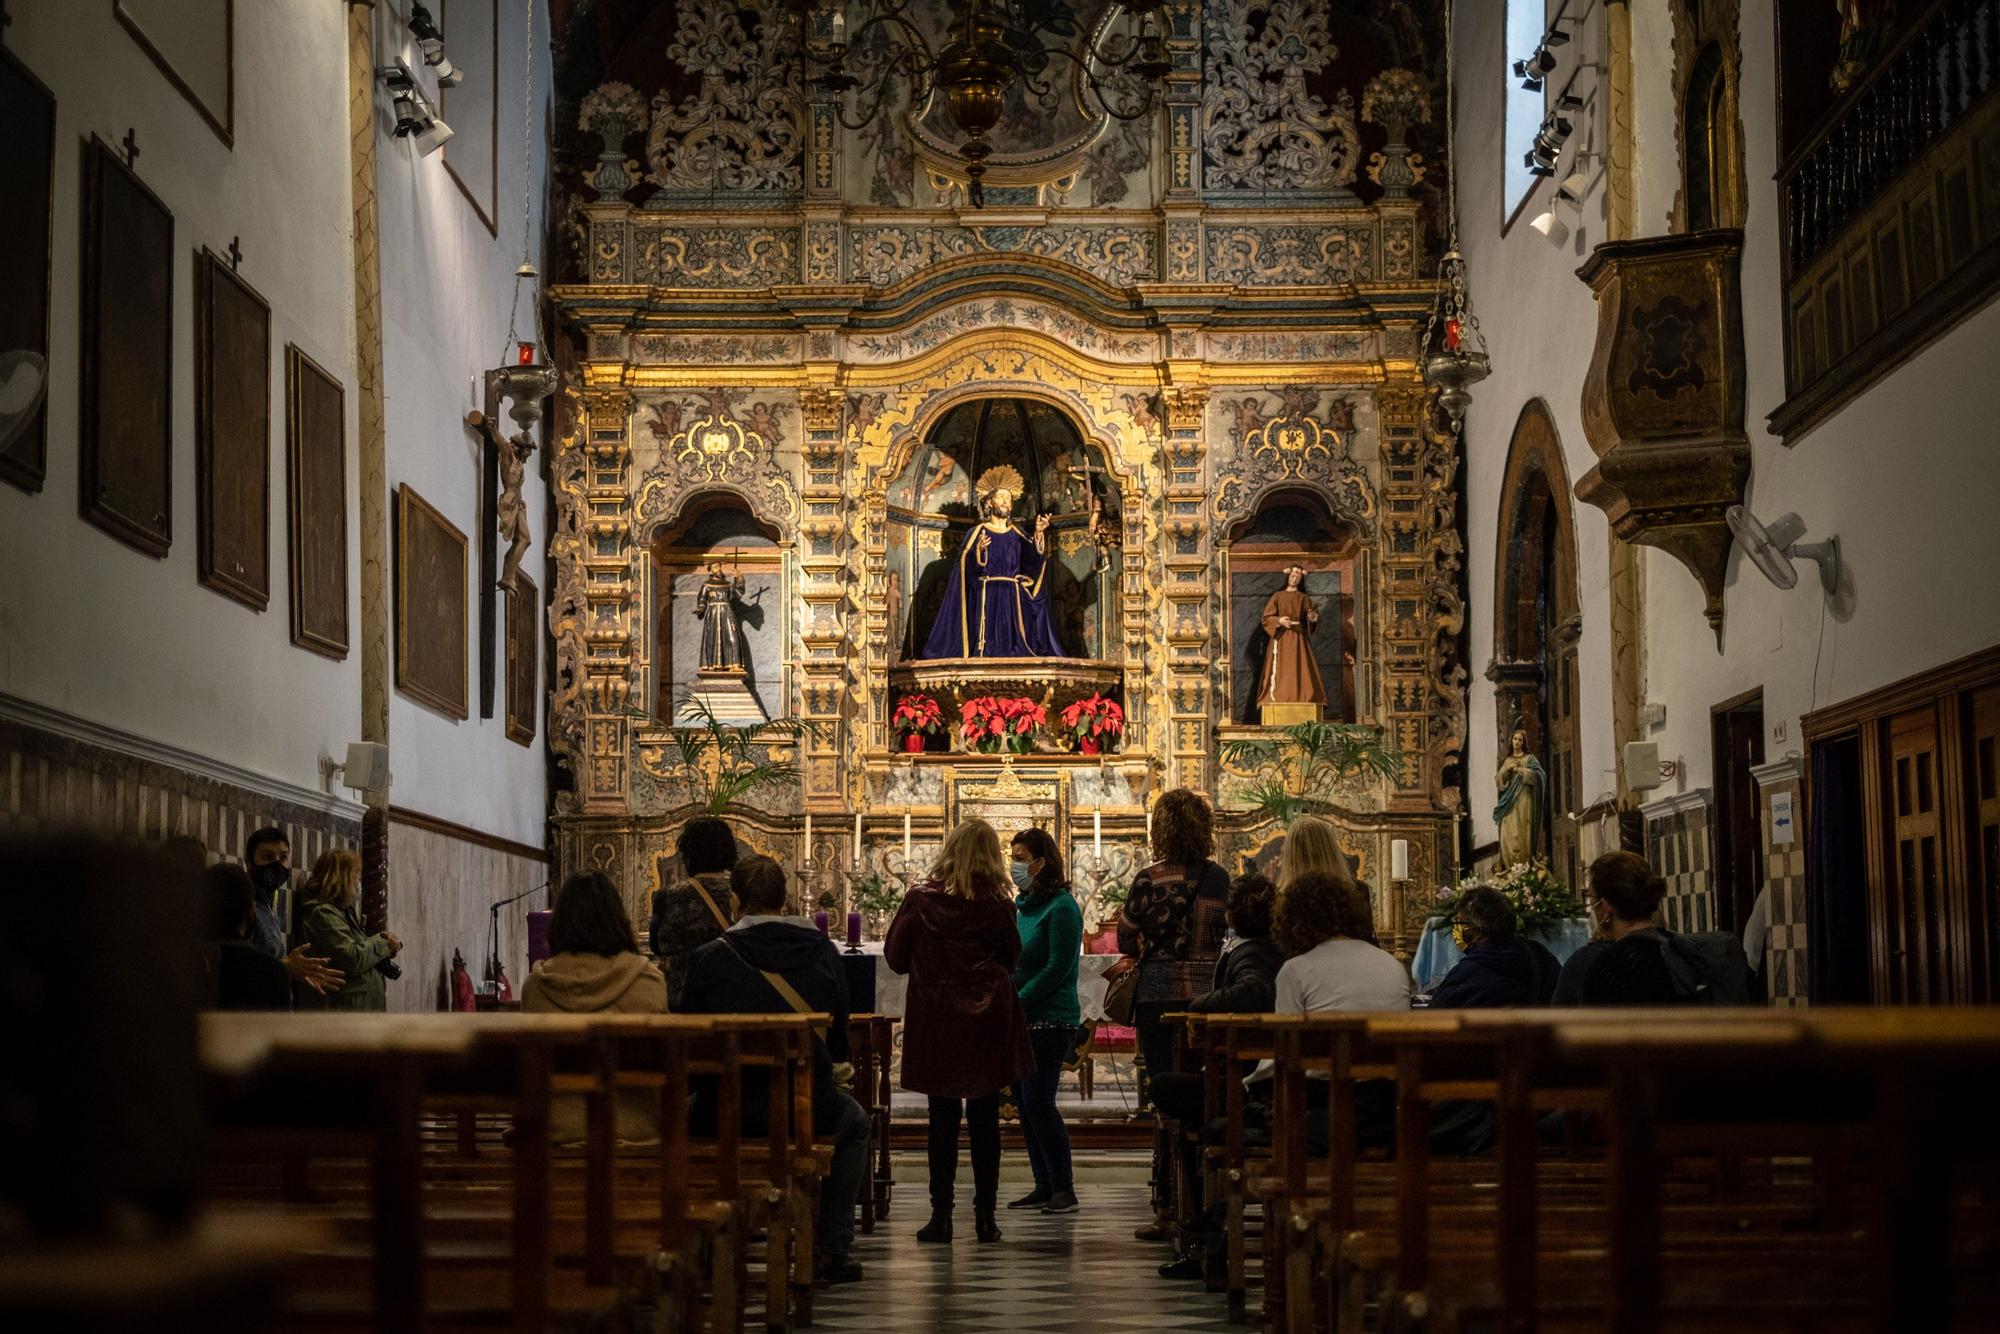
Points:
[[784, 989], [701, 889]]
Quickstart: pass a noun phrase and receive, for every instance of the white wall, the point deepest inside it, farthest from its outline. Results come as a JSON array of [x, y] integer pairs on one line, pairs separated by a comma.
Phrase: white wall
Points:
[[88, 625], [1905, 475], [447, 285]]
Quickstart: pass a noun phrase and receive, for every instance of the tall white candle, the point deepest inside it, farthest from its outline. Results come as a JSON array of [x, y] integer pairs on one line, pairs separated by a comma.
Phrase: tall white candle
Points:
[[906, 836], [1097, 832], [1399, 859], [857, 840], [809, 838]]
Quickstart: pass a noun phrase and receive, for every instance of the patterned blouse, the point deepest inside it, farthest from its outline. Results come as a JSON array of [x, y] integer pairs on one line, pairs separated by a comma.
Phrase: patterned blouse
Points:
[[1175, 916], [682, 923]]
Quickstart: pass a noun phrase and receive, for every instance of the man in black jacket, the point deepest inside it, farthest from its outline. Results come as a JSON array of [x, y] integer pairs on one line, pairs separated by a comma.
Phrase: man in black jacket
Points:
[[1500, 967], [1246, 979], [768, 963]]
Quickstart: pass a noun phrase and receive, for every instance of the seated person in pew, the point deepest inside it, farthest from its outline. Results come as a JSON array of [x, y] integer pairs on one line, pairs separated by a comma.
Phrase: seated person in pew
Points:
[[1320, 923], [1245, 983], [1500, 969], [1654, 966], [770, 963], [594, 967]]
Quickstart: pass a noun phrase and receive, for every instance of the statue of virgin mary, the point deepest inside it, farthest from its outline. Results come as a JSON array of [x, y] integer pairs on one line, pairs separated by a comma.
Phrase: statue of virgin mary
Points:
[[996, 603]]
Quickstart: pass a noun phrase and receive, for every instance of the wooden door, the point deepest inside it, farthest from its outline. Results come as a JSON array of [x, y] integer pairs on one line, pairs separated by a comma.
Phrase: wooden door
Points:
[[1738, 736], [1910, 922], [1981, 784]]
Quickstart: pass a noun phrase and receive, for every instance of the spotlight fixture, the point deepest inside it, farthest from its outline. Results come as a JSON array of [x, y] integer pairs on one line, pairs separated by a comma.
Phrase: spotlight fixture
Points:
[[416, 118], [430, 41], [1539, 65], [1535, 163], [1551, 227]]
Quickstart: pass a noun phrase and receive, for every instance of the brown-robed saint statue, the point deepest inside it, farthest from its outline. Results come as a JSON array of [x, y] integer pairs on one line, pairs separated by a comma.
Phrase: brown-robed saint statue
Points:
[[1290, 674]]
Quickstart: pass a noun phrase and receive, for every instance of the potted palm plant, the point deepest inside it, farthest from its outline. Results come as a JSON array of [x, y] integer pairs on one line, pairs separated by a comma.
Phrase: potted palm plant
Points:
[[719, 763], [1299, 769]]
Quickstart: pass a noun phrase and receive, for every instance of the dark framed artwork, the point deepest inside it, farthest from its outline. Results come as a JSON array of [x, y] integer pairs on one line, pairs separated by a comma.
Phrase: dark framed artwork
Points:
[[316, 504], [125, 429], [431, 606], [232, 432], [27, 239], [193, 42], [524, 654]]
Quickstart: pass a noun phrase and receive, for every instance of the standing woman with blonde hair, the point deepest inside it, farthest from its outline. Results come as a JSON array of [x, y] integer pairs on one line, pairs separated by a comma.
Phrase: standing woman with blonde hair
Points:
[[965, 1036], [332, 927]]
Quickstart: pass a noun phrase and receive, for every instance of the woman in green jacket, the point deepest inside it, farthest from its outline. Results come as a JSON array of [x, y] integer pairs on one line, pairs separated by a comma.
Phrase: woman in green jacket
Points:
[[1051, 926], [333, 929]]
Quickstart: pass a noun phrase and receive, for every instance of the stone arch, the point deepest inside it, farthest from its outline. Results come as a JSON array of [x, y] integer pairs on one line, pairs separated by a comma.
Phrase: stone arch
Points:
[[1537, 621]]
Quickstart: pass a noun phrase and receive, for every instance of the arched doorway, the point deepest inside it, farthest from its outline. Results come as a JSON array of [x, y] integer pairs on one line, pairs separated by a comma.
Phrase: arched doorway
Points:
[[1536, 622]]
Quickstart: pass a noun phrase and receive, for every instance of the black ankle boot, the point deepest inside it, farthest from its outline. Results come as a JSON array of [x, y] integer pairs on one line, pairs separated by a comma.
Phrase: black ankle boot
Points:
[[938, 1229], [984, 1225]]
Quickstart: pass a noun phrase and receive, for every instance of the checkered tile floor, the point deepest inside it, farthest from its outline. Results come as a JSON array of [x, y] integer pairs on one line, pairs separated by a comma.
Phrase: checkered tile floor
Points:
[[1068, 1275]]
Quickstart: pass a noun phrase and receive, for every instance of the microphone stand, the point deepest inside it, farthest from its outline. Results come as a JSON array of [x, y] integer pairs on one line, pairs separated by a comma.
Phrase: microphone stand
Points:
[[493, 933]]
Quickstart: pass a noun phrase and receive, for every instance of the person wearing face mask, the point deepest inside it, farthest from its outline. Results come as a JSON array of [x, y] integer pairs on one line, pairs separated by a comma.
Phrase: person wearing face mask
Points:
[[1051, 926], [267, 857], [1621, 898]]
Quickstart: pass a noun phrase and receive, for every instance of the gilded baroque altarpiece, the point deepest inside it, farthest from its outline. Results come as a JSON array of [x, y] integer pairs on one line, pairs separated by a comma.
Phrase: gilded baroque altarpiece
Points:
[[772, 316]]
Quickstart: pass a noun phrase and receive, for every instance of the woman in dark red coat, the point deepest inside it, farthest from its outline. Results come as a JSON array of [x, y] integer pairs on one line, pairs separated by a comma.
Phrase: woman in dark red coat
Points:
[[965, 1036]]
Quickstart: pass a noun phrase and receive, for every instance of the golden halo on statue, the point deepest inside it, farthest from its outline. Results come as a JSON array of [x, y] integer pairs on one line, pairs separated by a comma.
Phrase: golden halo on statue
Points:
[[1002, 477]]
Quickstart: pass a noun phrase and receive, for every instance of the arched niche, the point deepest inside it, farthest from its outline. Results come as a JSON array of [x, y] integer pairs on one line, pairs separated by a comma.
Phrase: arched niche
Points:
[[716, 528], [1536, 619], [1293, 525], [931, 507]]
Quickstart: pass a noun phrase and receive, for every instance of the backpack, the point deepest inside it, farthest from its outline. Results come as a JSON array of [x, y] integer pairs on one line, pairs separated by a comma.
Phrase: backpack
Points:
[[1706, 967]]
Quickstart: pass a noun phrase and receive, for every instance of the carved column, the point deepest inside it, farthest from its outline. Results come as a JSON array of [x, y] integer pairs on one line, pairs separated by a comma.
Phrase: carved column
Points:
[[823, 671], [1422, 692], [608, 634], [1188, 592], [1180, 240]]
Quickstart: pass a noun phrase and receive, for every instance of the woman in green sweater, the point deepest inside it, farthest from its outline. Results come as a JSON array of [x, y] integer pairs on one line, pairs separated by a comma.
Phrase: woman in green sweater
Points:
[[1051, 926]]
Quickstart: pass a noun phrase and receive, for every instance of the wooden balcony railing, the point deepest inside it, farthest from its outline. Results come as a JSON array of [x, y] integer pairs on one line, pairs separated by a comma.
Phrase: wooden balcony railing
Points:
[[1891, 209]]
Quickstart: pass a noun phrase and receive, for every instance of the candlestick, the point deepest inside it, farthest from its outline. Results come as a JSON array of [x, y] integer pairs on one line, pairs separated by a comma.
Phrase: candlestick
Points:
[[1399, 859], [1097, 832], [857, 840], [906, 835]]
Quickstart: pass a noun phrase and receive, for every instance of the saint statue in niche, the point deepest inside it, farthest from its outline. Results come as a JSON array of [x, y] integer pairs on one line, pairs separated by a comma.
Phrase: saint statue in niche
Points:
[[1290, 674], [721, 634], [996, 601], [1523, 787]]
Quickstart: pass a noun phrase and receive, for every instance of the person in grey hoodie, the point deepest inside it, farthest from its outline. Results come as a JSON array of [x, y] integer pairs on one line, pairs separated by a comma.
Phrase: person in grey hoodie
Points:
[[594, 967]]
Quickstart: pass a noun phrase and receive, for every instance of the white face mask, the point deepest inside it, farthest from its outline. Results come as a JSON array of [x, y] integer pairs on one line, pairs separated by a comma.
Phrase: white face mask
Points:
[[1022, 876]]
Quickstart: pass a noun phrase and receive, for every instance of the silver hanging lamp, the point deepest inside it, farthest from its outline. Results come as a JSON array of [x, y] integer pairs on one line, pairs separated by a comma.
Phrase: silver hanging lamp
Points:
[[1454, 356]]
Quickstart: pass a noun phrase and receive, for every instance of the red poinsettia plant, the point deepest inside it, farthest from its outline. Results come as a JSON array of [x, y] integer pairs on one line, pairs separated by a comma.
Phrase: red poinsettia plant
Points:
[[1094, 722], [917, 717], [993, 722]]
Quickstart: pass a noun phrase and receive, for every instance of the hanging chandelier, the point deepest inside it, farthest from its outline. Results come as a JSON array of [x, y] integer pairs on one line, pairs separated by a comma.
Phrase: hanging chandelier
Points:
[[1454, 356], [988, 47]]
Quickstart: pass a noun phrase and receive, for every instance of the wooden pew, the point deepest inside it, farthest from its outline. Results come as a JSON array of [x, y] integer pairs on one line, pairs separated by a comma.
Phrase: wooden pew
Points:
[[561, 1207], [871, 1039]]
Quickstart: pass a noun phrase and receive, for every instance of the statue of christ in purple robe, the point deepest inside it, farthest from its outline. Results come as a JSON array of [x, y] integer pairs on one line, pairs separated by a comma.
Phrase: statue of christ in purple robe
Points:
[[996, 602]]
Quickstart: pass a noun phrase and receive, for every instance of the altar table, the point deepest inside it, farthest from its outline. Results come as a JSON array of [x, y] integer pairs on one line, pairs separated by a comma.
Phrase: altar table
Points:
[[890, 988], [1437, 951]]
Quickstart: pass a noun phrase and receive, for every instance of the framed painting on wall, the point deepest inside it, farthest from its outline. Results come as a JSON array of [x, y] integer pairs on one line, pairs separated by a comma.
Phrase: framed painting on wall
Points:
[[431, 606], [232, 432], [194, 44], [125, 428], [524, 652], [27, 237], [316, 504]]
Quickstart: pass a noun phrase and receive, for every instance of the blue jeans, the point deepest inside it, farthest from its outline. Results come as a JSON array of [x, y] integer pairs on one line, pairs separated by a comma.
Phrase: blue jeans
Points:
[[847, 1127], [1041, 1122]]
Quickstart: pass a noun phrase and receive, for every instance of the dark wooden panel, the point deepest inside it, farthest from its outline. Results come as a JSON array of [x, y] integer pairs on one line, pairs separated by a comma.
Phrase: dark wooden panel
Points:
[[431, 606], [232, 432], [27, 234], [126, 425], [524, 652], [316, 508]]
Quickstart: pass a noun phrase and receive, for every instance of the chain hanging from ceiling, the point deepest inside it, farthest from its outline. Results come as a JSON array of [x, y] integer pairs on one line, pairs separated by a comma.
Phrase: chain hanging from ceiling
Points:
[[1455, 356]]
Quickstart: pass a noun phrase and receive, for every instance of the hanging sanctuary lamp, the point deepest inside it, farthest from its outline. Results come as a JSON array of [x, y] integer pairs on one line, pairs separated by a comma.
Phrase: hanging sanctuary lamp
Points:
[[1454, 355]]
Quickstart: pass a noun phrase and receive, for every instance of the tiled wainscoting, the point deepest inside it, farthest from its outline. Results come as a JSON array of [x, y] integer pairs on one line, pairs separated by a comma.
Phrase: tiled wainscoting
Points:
[[1785, 879], [61, 772], [1680, 847], [443, 881]]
